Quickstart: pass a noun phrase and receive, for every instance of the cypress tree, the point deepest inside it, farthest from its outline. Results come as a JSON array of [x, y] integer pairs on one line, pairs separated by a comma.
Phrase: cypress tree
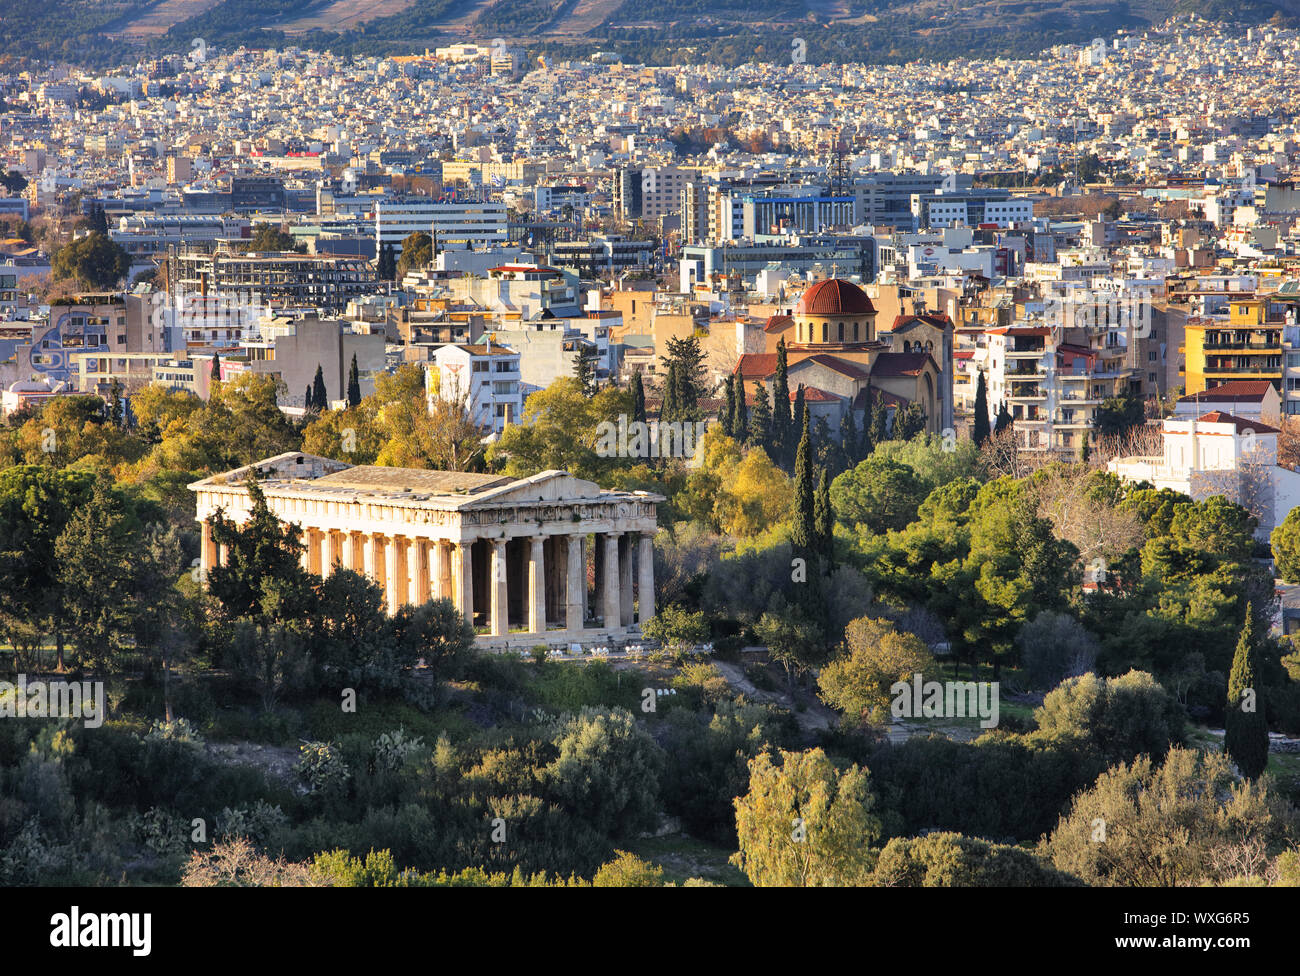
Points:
[[1245, 738], [728, 404], [215, 373], [668, 406], [354, 383], [760, 420], [740, 419], [782, 423], [879, 421], [308, 400], [804, 535], [799, 412], [1085, 452], [824, 519], [638, 398], [1004, 418], [319, 398], [849, 443], [981, 431]]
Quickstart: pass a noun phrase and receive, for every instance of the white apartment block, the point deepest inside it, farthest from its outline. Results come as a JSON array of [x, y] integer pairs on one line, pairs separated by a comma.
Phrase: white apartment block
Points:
[[457, 223], [484, 377]]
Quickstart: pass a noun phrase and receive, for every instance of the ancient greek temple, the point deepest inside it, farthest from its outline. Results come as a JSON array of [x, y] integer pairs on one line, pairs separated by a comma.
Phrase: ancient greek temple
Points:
[[512, 554]]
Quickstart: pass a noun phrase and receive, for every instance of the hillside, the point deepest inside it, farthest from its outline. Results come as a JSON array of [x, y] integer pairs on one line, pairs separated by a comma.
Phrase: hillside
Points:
[[654, 31]]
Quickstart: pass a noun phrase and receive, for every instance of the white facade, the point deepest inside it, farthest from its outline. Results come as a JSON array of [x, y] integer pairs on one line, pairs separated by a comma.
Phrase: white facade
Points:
[[458, 223], [1218, 454], [484, 377]]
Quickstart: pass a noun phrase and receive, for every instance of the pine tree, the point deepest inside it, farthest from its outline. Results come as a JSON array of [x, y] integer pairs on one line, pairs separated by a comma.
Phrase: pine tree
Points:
[[215, 374], [824, 519], [1245, 737], [740, 419], [804, 534], [687, 356], [728, 404], [354, 383], [638, 398], [319, 398], [783, 424], [981, 431], [760, 420]]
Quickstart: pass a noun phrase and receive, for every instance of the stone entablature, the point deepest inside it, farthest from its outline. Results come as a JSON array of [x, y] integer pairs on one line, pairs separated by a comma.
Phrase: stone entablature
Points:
[[510, 553]]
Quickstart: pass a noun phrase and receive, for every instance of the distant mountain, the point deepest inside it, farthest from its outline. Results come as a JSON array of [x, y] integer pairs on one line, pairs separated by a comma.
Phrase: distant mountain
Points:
[[653, 31]]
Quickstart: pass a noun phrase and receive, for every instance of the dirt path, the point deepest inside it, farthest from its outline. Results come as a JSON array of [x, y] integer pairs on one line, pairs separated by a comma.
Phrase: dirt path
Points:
[[814, 717]]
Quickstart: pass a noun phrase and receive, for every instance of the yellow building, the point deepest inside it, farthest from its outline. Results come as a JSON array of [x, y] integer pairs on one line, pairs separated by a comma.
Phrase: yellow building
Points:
[[1248, 346]]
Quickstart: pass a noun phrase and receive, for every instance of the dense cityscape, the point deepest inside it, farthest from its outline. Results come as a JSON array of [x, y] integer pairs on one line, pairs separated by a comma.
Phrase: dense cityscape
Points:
[[919, 442]]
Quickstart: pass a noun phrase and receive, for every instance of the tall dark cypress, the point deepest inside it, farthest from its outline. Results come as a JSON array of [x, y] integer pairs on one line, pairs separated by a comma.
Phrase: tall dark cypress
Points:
[[354, 383], [760, 420], [824, 520], [1245, 732], [804, 535], [319, 398], [981, 430], [638, 398], [215, 373], [879, 421], [740, 419], [668, 406], [800, 414], [728, 405], [308, 400], [1004, 418], [783, 425], [849, 443]]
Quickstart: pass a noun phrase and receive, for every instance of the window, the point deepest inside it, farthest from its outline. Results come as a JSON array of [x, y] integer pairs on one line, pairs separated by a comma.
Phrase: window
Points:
[[826, 332], [841, 339]]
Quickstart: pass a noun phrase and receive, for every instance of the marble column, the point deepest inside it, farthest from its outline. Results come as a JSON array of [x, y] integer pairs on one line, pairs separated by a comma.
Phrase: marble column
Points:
[[537, 586], [207, 549], [500, 593], [575, 587], [390, 574], [646, 582], [368, 560], [447, 589], [613, 605], [328, 553], [417, 592], [463, 565], [625, 546], [433, 567]]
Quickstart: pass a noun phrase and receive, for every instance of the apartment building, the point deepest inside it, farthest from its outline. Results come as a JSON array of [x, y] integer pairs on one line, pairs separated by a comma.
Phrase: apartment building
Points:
[[455, 223], [484, 377], [1247, 345]]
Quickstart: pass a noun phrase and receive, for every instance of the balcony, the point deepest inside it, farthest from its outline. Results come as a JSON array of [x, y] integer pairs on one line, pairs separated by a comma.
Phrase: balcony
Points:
[[1273, 347]]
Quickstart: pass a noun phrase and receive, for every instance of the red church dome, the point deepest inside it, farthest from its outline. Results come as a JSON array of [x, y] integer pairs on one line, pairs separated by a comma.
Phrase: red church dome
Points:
[[835, 296]]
